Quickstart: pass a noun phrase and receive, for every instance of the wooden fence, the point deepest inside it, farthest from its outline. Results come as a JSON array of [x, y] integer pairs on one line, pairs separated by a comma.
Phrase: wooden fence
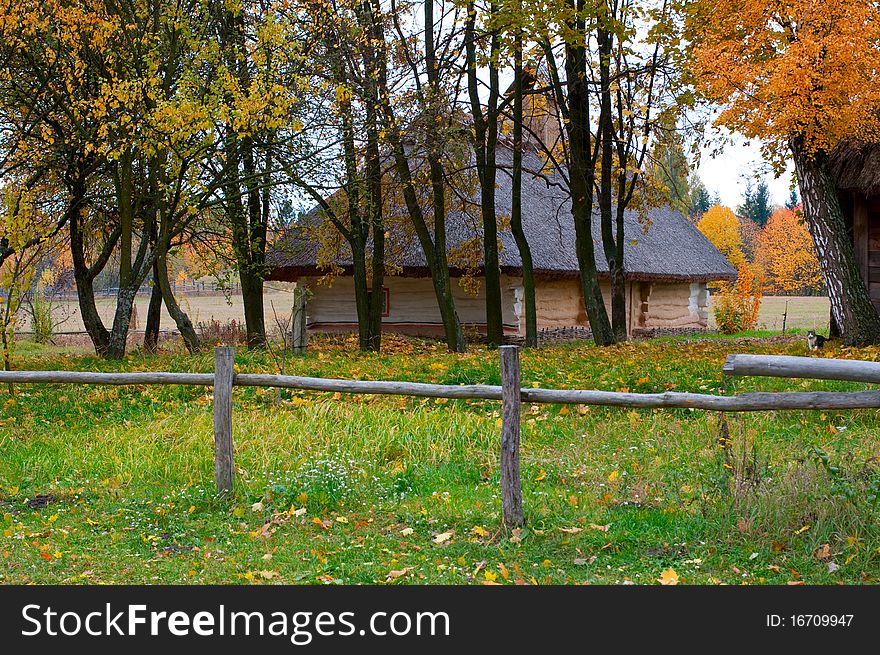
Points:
[[510, 393]]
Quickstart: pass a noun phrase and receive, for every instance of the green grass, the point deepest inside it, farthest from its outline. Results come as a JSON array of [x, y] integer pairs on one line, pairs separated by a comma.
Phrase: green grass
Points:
[[611, 495]]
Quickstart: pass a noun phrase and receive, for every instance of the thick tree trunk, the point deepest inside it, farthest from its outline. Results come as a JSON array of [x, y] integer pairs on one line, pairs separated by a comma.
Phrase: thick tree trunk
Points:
[[516, 226], [121, 322], [254, 308], [851, 306]]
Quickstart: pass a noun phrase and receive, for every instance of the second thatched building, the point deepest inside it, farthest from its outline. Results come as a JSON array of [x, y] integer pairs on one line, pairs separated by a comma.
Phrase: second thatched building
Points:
[[669, 265]]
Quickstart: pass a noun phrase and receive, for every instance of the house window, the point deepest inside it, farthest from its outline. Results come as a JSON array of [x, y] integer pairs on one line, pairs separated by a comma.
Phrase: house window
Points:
[[386, 300]]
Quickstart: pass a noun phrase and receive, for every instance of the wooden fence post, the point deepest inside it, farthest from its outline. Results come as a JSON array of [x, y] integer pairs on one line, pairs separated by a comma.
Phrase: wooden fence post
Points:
[[300, 335], [511, 488], [224, 369]]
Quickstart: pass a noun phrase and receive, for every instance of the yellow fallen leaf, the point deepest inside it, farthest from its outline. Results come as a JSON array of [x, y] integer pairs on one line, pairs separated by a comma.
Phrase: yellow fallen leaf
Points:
[[600, 528], [398, 574], [490, 576], [541, 475], [571, 530], [613, 476], [268, 575], [480, 531], [406, 532], [669, 577], [443, 537]]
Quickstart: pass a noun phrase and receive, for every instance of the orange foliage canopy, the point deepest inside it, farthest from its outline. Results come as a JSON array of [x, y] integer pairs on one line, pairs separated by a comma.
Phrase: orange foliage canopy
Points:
[[790, 69], [787, 256]]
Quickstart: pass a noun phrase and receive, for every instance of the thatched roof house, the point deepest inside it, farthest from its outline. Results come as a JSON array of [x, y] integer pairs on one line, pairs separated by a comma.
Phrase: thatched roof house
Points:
[[856, 170], [668, 262]]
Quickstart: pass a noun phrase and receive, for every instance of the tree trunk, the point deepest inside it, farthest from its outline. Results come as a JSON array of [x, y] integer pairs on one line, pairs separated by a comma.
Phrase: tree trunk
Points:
[[121, 322], [851, 306], [485, 141], [377, 226], [83, 274], [254, 308], [612, 244], [251, 252], [154, 316], [190, 338], [516, 226], [582, 175]]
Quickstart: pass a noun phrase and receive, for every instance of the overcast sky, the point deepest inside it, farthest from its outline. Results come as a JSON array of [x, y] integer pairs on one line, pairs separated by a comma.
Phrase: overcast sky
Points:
[[727, 174]]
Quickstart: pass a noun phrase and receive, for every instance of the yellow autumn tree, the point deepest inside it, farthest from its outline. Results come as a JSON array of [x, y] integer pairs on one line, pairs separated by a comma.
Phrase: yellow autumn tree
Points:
[[721, 226], [786, 255]]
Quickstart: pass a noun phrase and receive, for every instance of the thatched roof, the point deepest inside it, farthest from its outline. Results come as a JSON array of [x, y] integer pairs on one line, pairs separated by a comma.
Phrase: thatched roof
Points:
[[665, 247], [856, 167]]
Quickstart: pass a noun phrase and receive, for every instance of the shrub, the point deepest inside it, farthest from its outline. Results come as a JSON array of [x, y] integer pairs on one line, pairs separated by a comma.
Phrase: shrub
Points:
[[736, 305], [216, 333], [41, 306]]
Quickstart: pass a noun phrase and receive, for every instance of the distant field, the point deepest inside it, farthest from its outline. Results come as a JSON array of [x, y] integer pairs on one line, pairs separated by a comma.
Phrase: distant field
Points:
[[804, 313], [201, 308]]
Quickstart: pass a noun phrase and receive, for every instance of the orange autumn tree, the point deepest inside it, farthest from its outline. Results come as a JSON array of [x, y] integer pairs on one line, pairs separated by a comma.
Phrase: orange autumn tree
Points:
[[721, 226], [787, 256], [801, 75]]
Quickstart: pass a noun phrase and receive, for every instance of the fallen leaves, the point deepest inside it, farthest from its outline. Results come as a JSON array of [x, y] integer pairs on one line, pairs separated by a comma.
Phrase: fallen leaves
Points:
[[393, 575], [823, 552], [583, 561], [669, 577], [443, 537]]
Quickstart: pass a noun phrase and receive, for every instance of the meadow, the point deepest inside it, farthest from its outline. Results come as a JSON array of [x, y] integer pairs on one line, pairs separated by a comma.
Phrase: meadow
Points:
[[115, 484]]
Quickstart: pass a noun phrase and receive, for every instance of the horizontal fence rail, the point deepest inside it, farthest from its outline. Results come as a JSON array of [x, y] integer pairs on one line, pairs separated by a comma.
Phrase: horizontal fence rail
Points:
[[747, 402], [88, 377], [783, 366], [510, 393]]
